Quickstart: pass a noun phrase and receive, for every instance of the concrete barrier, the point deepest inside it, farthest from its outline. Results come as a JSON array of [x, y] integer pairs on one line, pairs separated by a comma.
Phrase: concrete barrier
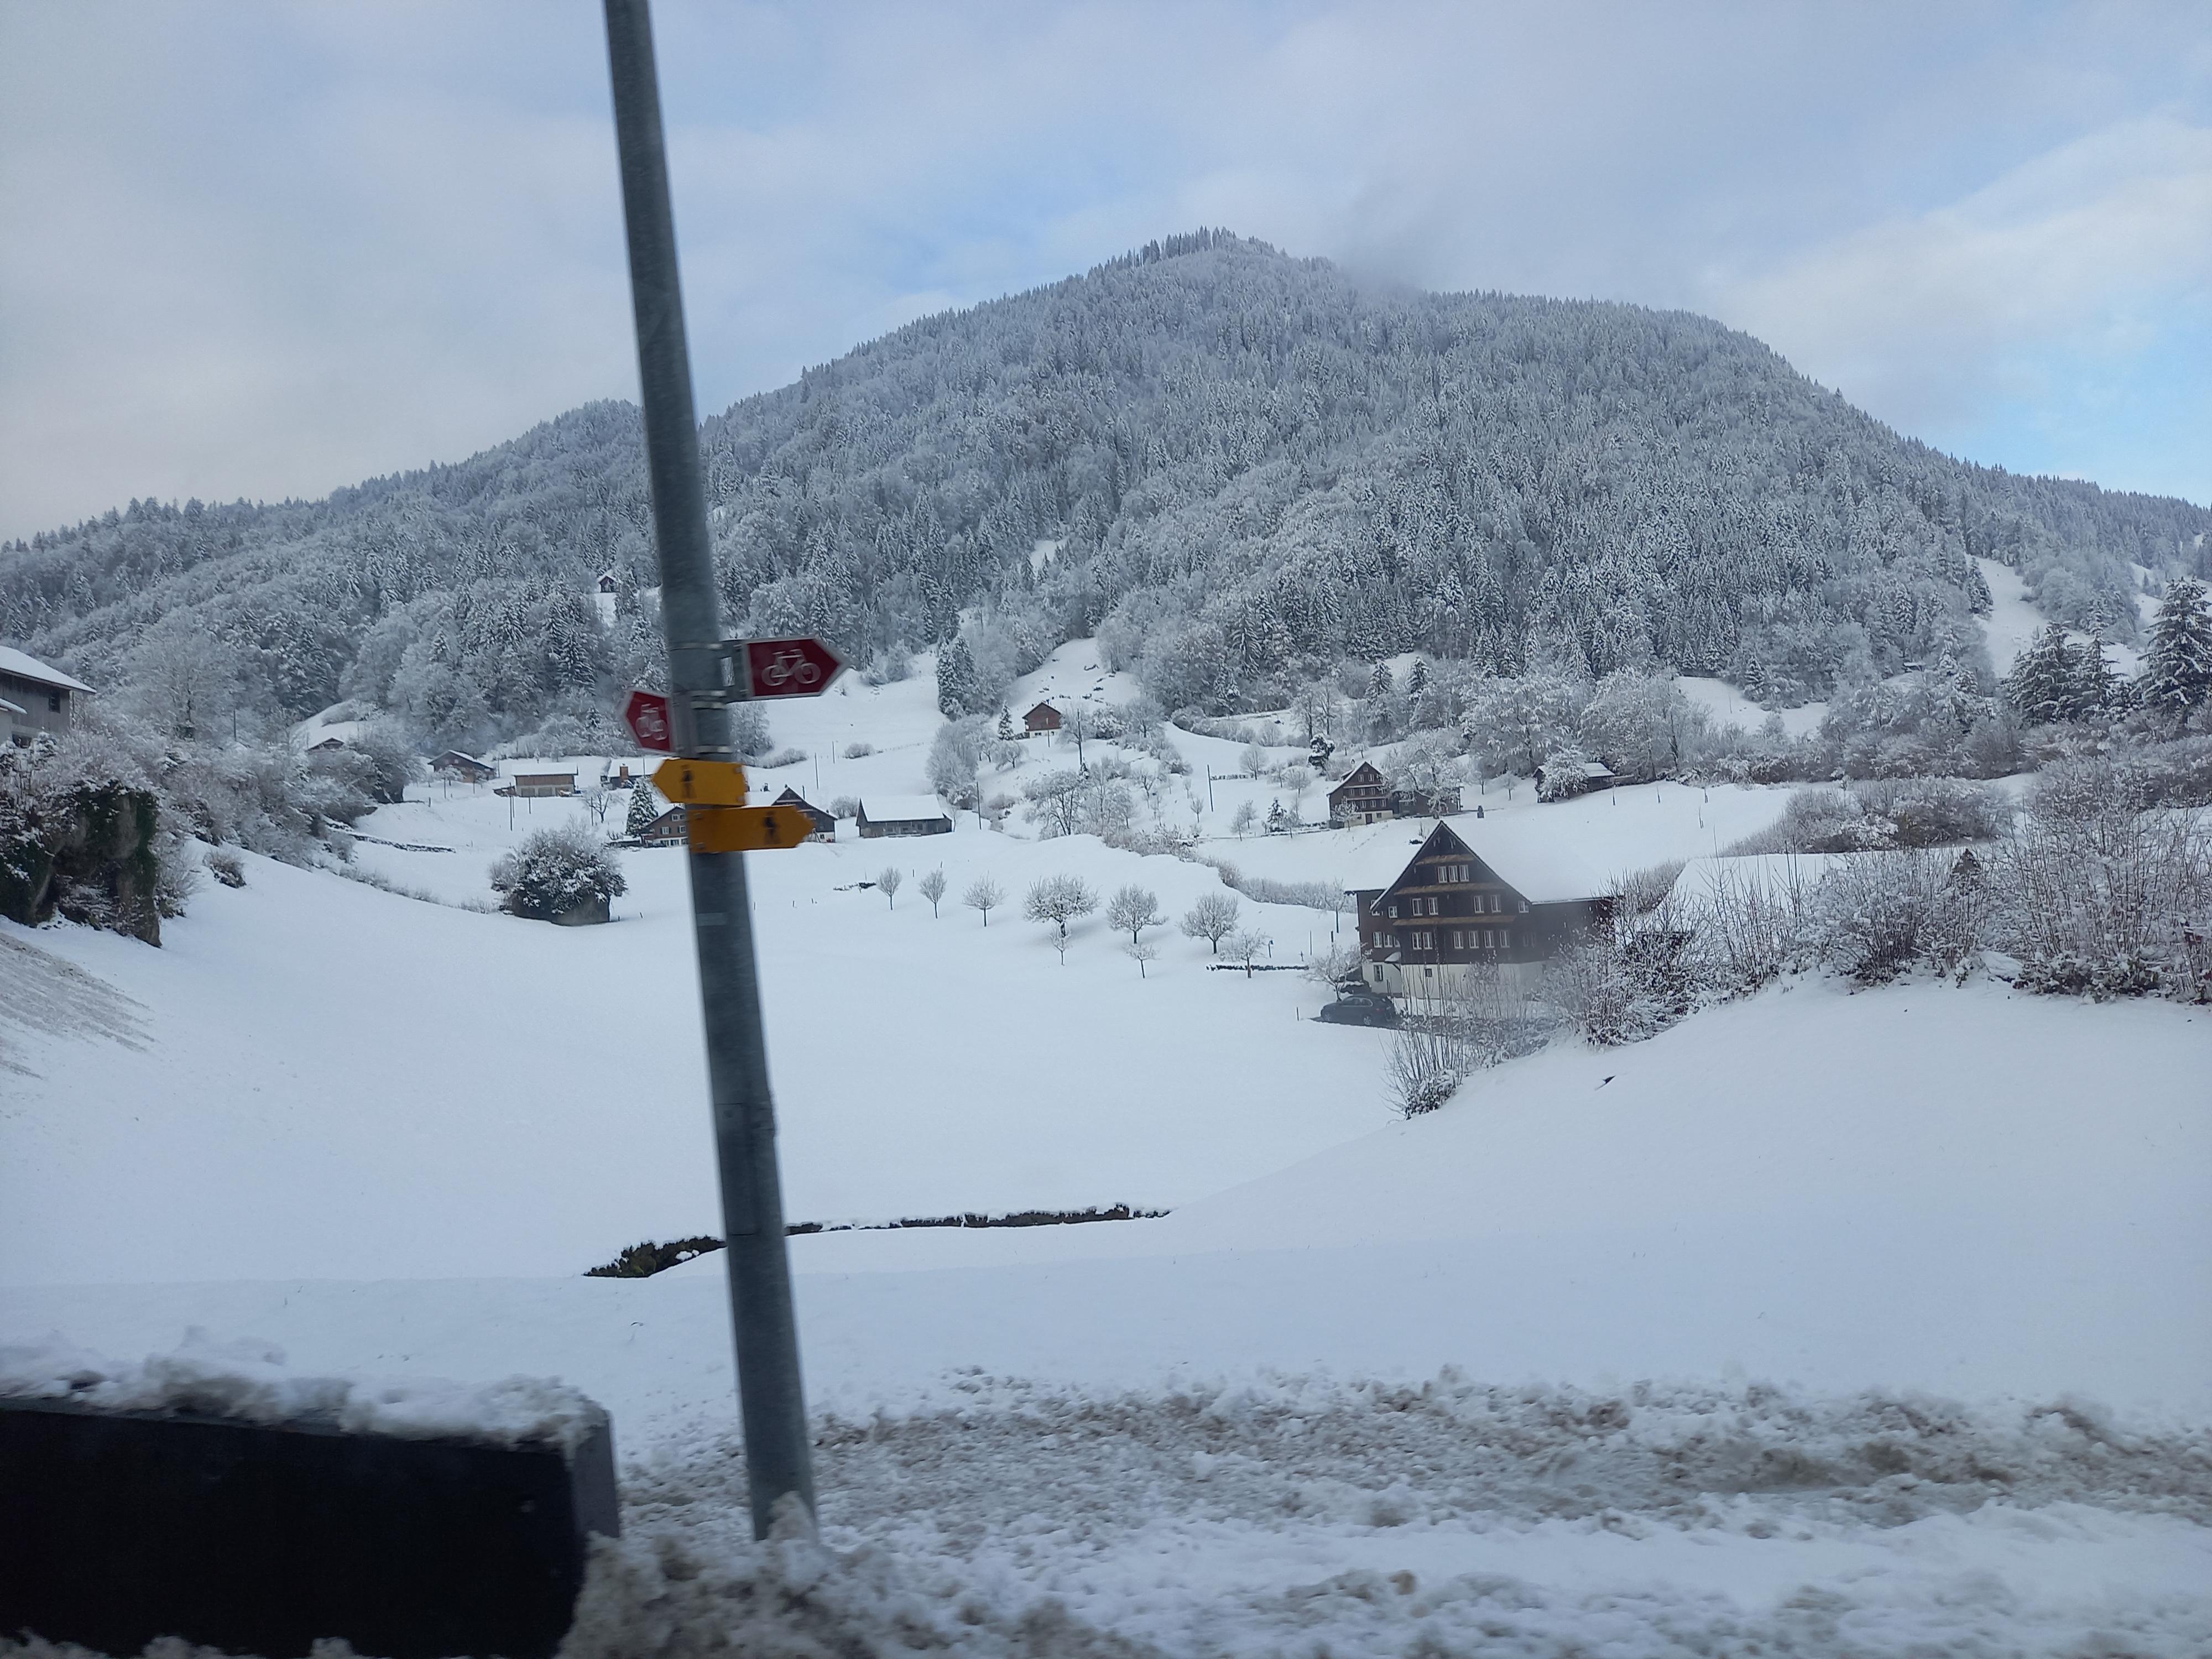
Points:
[[118, 1528]]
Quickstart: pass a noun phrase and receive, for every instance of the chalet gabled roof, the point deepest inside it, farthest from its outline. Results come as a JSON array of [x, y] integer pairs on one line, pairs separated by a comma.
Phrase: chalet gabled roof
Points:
[[1524, 854], [1353, 776]]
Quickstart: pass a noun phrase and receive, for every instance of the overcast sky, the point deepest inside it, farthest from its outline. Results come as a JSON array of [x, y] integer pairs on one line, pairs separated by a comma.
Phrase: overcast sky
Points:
[[267, 250]]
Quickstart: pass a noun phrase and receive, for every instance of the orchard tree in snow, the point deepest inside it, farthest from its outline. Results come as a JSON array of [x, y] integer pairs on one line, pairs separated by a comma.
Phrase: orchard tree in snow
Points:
[[2177, 676], [1132, 910], [1253, 759], [1243, 820], [1212, 919], [1141, 951], [889, 880], [643, 809], [1056, 900], [1281, 819], [985, 896], [932, 887], [1247, 945]]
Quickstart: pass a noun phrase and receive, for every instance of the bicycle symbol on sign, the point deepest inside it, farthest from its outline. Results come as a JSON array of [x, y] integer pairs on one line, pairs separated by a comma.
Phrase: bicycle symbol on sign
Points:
[[790, 668]]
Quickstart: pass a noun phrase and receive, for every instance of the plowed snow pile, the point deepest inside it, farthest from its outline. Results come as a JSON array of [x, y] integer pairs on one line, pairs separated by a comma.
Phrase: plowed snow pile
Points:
[[1450, 1518]]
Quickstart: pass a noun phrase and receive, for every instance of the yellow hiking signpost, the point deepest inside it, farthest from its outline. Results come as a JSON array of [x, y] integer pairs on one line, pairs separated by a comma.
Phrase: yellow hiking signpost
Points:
[[717, 819], [745, 828], [700, 782]]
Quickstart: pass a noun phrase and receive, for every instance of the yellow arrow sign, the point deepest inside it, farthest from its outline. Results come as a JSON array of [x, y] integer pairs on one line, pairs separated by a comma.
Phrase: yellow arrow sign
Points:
[[745, 828], [701, 782]]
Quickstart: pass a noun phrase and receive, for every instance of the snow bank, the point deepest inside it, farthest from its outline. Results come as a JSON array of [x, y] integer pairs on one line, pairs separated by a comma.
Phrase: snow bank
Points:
[[1305, 1517], [246, 1380]]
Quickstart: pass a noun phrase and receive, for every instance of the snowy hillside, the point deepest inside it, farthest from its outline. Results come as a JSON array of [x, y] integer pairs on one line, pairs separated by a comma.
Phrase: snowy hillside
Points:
[[1822, 1323]]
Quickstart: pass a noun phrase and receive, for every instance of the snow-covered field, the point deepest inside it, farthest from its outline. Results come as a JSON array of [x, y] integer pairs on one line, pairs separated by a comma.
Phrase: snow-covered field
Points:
[[1821, 1324]]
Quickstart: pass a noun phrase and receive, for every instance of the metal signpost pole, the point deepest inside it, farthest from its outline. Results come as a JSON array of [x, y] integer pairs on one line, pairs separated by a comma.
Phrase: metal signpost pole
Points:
[[779, 1461]]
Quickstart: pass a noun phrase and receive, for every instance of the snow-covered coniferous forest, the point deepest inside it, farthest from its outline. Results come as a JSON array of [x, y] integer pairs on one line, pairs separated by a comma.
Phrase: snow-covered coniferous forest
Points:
[[1768, 1218]]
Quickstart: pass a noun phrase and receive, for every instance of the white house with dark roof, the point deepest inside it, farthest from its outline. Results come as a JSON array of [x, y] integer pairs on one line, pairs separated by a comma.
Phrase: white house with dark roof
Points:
[[41, 699]]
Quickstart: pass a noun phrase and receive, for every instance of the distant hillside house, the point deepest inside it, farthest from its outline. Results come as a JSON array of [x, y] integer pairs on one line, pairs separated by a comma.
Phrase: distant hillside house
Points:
[[825, 826], [44, 698], [1042, 717], [537, 785], [1364, 797], [467, 768], [1451, 909], [903, 815], [666, 830], [325, 745], [1583, 777]]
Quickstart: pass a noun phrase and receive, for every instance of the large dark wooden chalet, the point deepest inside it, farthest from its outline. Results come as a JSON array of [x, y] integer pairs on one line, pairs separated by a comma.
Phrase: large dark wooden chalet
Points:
[[1452, 909]]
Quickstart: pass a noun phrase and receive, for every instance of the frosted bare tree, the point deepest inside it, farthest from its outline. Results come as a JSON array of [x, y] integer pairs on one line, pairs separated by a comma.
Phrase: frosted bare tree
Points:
[[932, 887], [1056, 900], [984, 895], [1132, 910], [889, 881], [1247, 945], [1141, 951], [1212, 919]]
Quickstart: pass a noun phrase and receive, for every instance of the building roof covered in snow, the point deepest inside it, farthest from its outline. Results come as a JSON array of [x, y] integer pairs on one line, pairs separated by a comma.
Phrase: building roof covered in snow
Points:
[[902, 809], [24, 666]]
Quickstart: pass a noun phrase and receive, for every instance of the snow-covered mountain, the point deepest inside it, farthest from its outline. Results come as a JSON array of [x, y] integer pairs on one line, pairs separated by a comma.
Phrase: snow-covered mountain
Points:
[[1227, 464]]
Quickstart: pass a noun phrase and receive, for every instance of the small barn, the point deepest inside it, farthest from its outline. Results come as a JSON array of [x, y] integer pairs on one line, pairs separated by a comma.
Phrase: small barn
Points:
[[903, 815], [1042, 717], [325, 745], [538, 784], [467, 768], [1572, 778]]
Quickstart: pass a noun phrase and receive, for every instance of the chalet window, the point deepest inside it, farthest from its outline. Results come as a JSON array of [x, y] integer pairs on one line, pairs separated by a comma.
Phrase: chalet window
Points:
[[1394, 913], [53, 702], [1489, 939], [1525, 907], [1459, 940]]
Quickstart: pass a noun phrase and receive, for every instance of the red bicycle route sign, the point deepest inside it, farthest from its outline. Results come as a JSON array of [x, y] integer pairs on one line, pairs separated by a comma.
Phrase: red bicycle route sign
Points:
[[800, 667], [647, 715], [790, 668]]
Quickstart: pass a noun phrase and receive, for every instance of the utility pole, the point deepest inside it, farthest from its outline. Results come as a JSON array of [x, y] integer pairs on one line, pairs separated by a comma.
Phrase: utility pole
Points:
[[779, 1454]]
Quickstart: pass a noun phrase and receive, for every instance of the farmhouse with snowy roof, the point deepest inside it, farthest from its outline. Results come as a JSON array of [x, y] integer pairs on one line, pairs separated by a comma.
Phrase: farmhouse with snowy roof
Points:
[[1366, 796], [1521, 899], [40, 698], [1041, 718], [467, 768], [903, 815]]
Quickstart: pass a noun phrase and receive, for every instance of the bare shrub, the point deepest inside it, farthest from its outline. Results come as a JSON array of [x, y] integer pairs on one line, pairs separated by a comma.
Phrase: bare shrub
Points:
[[224, 864], [1473, 1021], [2095, 897], [1881, 915]]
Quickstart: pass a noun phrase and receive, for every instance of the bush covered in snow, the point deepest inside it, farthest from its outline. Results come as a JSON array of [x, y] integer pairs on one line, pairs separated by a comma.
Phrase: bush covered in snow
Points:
[[565, 874]]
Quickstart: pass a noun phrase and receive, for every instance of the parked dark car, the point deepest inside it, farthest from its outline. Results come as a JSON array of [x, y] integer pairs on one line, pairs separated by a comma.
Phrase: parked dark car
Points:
[[1359, 1008]]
